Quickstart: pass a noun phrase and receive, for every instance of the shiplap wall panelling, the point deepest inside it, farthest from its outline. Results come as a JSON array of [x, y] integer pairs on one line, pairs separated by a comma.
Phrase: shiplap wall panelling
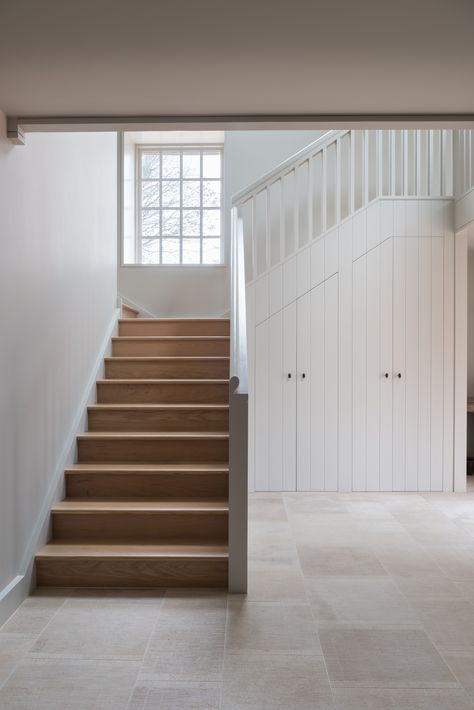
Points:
[[289, 213], [331, 383], [289, 397], [304, 204], [345, 356], [331, 253], [261, 407], [250, 312], [317, 201], [289, 281], [261, 230], [399, 363], [450, 424], [317, 262], [305, 397], [262, 305], [303, 272], [275, 290], [317, 394], [275, 402], [412, 361], [359, 374], [375, 379], [386, 365]]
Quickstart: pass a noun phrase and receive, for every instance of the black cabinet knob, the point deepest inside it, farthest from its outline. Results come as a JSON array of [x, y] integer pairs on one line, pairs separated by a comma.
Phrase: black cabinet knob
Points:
[[303, 375], [399, 375], [289, 375], [386, 375]]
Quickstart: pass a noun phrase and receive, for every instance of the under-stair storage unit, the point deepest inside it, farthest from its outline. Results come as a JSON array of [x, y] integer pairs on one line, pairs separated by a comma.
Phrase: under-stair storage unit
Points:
[[147, 501]]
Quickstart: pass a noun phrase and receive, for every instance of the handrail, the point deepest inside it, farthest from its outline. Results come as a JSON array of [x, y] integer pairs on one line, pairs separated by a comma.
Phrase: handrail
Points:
[[301, 154], [238, 414]]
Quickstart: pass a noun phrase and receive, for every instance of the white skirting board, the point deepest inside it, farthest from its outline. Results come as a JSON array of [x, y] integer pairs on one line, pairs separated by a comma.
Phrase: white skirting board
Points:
[[19, 587]]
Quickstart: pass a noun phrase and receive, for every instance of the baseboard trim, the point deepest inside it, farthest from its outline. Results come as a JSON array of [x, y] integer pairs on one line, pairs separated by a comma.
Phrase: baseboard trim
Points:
[[19, 587]]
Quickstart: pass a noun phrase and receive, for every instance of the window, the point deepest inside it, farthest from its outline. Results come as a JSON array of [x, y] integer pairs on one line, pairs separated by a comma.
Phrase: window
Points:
[[179, 199]]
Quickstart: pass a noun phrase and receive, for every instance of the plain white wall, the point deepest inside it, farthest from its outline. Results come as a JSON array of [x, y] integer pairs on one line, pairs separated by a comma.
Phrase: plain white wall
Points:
[[58, 288], [470, 347], [204, 291]]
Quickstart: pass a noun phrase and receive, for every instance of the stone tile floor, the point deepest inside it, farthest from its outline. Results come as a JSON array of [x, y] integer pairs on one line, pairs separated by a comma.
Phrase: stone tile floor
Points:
[[356, 602]]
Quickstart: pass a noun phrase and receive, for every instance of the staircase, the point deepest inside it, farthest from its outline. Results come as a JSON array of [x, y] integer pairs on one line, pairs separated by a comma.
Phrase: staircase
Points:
[[147, 502]]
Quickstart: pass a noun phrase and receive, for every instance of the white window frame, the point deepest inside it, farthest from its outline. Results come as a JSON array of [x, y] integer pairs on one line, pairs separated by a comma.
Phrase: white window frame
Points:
[[140, 149]]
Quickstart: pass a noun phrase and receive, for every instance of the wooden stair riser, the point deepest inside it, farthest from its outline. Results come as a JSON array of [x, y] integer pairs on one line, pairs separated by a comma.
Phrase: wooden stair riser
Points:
[[133, 572], [167, 368], [157, 486], [141, 526], [165, 392], [139, 347], [164, 420], [143, 326], [173, 450]]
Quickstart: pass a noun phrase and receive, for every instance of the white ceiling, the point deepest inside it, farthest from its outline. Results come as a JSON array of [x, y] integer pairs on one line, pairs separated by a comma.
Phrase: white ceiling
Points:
[[157, 57]]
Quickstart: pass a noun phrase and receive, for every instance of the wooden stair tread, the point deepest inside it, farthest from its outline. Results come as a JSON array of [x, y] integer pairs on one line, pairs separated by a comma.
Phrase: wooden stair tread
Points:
[[186, 338], [146, 468], [70, 549], [168, 380], [180, 320], [153, 435], [157, 407], [144, 505], [165, 358]]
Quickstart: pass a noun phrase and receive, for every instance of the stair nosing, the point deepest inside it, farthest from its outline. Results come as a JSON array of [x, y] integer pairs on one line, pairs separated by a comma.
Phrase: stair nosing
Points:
[[171, 380]]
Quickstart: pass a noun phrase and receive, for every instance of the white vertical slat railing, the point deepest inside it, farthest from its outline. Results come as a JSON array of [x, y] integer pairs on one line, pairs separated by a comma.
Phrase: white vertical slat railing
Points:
[[238, 414], [337, 175]]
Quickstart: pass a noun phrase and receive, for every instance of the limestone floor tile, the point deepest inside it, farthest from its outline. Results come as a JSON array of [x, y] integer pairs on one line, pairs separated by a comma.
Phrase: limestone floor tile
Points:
[[263, 681], [383, 657], [267, 507], [34, 613], [338, 561], [393, 699], [271, 542], [434, 584], [372, 600], [175, 695], [187, 643], [12, 649], [100, 626], [410, 560], [256, 626], [269, 582], [314, 503], [462, 665], [448, 621], [324, 530], [457, 563], [59, 684]]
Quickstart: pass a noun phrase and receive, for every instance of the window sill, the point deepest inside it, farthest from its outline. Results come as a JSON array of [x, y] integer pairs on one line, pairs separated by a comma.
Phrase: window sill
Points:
[[197, 267]]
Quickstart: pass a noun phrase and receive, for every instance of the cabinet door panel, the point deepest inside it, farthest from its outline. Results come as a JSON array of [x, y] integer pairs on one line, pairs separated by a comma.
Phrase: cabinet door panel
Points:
[[374, 374], [359, 374], [386, 365], [331, 382], [275, 402], [399, 384], [410, 375], [261, 407], [317, 382], [303, 394], [289, 398], [437, 362], [424, 369]]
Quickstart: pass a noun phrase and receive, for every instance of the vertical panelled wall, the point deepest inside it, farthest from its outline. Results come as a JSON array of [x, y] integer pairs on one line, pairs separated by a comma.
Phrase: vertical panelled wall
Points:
[[335, 178], [463, 161]]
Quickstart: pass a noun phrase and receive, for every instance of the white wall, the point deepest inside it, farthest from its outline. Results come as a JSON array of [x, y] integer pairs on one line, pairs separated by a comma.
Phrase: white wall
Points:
[[203, 291], [58, 214], [470, 348]]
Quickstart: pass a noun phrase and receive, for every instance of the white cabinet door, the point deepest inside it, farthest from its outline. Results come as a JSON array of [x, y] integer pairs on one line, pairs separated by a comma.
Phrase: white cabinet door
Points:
[[317, 388], [289, 421], [261, 407], [275, 402]]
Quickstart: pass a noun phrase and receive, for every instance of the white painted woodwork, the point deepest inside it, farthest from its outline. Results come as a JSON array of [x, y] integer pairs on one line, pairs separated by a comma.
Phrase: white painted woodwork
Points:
[[262, 482], [289, 397], [289, 281], [305, 396]]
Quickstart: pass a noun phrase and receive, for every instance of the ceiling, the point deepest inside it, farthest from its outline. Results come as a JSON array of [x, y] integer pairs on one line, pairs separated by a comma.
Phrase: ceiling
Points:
[[189, 57]]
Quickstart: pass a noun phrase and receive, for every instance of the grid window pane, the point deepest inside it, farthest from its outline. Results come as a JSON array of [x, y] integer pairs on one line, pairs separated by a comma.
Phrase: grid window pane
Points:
[[151, 194], [170, 251], [170, 223], [211, 251], [211, 165], [191, 223], [180, 203], [151, 166], [170, 193], [171, 166], [211, 223], [211, 193], [150, 223], [191, 193], [150, 251], [191, 165], [191, 251]]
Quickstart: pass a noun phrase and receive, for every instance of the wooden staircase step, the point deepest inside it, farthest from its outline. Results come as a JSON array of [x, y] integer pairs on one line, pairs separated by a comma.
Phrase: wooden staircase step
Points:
[[175, 326], [198, 391], [94, 564], [156, 447], [170, 345], [141, 520], [129, 312], [167, 367], [158, 417], [159, 482]]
